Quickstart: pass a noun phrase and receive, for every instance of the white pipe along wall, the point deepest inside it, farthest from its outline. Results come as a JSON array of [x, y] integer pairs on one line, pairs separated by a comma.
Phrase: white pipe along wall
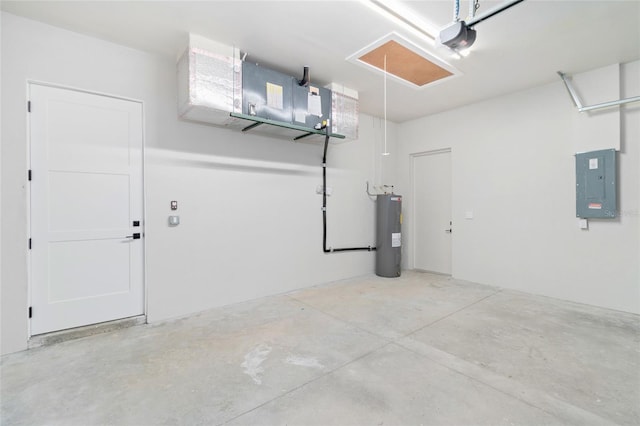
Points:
[[251, 223]]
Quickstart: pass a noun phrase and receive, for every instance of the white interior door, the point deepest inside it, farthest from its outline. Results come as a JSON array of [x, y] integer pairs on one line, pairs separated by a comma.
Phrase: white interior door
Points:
[[86, 207], [432, 212]]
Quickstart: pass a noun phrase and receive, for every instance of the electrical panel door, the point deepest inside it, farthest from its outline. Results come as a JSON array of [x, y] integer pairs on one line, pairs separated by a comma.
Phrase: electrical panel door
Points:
[[596, 184]]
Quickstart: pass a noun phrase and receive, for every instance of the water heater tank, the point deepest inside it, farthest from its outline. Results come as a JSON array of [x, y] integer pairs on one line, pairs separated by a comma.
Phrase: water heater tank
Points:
[[388, 235]]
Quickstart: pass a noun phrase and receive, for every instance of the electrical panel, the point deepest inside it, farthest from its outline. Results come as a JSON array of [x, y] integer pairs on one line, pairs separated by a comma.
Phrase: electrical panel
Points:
[[596, 184]]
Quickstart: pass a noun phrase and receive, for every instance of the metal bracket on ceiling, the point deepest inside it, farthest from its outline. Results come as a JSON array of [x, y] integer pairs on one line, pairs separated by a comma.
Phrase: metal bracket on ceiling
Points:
[[578, 103]]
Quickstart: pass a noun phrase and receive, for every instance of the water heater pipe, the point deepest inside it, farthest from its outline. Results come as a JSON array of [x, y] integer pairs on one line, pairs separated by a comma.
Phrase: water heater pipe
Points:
[[305, 77], [324, 206]]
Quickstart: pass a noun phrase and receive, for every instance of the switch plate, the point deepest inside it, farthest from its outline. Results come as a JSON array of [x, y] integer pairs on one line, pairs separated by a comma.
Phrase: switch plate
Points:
[[174, 205], [174, 220], [468, 215]]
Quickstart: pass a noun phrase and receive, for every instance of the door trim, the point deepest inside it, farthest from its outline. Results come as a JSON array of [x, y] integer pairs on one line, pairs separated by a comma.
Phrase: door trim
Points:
[[412, 225], [29, 84]]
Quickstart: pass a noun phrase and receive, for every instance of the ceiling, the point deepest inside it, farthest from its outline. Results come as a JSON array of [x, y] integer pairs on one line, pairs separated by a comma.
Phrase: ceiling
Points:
[[519, 48]]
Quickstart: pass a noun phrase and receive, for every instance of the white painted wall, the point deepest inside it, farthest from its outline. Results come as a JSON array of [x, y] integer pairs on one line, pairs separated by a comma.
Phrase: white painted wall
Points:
[[513, 166], [251, 223]]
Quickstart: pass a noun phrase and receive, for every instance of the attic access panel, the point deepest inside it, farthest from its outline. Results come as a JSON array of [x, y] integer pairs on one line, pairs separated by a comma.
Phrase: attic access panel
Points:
[[406, 62]]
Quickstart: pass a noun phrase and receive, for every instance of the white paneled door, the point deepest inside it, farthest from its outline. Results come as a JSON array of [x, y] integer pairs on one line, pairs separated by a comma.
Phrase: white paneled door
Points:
[[432, 212], [87, 255]]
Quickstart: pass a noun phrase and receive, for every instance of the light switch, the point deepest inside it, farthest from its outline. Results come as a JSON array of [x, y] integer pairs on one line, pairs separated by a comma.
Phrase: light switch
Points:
[[174, 205], [583, 224], [468, 215], [174, 220]]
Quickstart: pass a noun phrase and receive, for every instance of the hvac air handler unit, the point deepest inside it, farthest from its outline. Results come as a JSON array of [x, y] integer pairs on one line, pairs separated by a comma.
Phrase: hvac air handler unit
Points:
[[388, 235]]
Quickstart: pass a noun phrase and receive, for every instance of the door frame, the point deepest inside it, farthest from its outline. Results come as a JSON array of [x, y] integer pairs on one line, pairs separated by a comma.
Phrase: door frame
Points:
[[412, 226], [31, 82]]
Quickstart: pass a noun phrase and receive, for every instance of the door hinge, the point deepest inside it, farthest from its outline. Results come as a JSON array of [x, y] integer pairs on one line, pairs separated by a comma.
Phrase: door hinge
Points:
[[30, 311], [29, 174], [28, 106], [29, 243]]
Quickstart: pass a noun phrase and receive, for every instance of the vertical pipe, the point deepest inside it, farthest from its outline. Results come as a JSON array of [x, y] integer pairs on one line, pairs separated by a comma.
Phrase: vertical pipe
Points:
[[324, 206]]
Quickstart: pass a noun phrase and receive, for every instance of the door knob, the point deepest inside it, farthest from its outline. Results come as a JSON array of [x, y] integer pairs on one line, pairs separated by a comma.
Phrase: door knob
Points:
[[135, 236], [448, 231]]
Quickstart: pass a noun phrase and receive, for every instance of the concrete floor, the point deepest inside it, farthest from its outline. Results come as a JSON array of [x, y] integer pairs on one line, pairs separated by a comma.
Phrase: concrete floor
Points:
[[419, 350]]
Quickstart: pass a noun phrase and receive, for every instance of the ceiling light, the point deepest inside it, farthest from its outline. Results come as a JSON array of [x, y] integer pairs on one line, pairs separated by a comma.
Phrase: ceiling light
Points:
[[403, 17]]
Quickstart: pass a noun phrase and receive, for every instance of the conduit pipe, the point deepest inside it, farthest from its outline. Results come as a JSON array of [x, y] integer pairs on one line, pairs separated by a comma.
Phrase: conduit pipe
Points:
[[305, 77], [578, 103], [324, 206]]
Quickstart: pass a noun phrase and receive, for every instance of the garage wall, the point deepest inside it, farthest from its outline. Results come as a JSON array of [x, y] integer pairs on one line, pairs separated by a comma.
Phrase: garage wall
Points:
[[251, 223], [514, 168]]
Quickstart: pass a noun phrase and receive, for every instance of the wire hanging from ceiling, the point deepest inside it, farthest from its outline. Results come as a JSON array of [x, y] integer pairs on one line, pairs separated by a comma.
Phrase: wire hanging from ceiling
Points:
[[385, 106]]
